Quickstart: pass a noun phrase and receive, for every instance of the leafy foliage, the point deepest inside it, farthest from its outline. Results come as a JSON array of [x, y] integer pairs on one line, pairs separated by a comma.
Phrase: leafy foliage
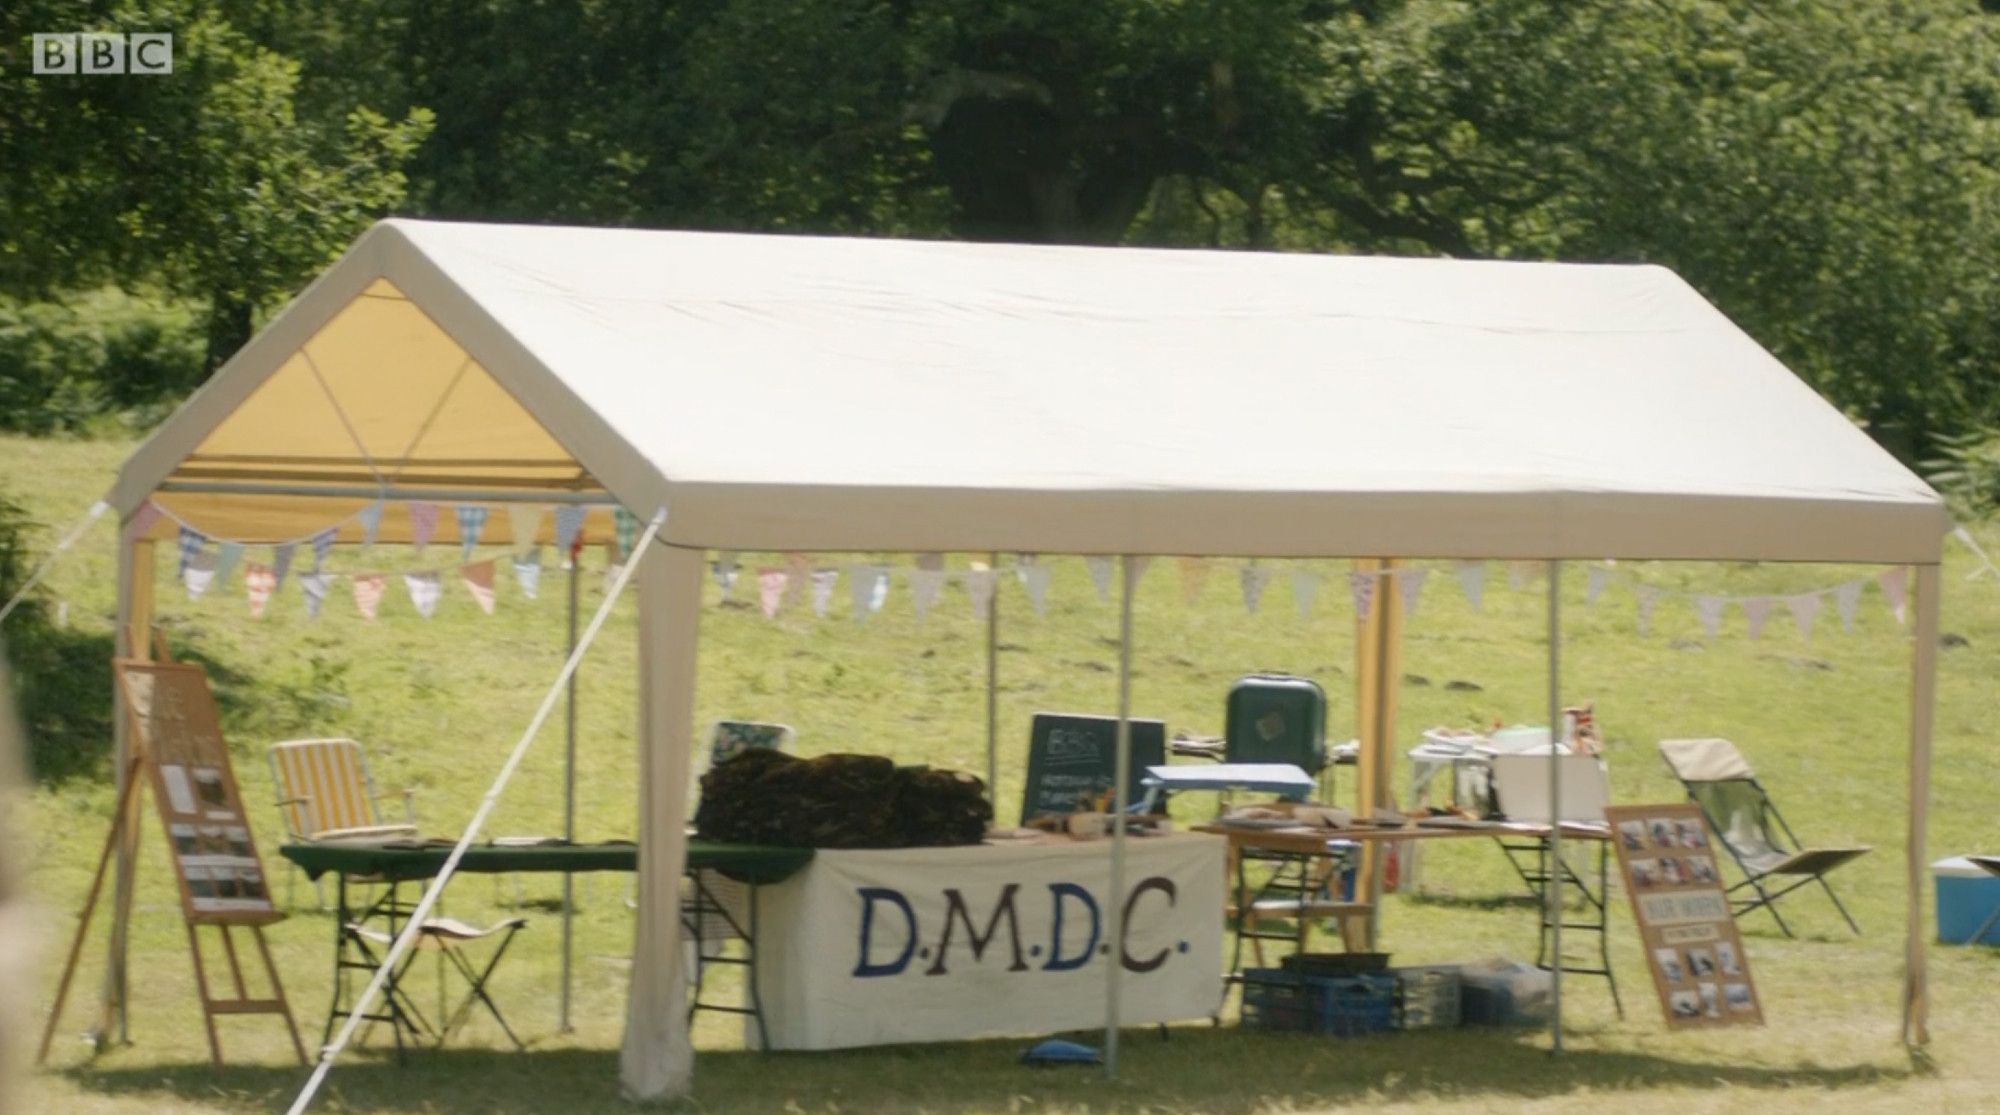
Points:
[[104, 357]]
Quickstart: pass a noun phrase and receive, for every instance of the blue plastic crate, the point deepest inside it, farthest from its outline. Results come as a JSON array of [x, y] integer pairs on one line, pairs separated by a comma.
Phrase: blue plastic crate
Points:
[[1277, 999]]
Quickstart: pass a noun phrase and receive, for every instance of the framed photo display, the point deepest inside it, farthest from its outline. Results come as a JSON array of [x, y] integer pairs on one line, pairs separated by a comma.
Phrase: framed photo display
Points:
[[1686, 925]]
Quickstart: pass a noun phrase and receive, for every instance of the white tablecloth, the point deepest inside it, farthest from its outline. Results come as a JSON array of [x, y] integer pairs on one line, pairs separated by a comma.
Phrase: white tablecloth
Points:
[[943, 944]]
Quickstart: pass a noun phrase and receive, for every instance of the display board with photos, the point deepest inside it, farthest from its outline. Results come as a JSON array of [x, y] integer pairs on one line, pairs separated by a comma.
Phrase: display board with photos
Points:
[[1685, 921], [215, 858]]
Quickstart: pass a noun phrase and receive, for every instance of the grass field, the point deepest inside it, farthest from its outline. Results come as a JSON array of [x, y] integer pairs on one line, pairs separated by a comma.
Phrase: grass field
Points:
[[438, 702]]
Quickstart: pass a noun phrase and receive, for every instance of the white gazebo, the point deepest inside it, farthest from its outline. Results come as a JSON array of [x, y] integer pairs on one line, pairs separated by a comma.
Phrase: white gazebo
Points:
[[827, 394]]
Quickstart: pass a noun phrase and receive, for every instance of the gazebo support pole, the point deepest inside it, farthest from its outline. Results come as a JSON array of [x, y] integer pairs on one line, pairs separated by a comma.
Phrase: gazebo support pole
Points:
[[1923, 696], [134, 639], [993, 690], [569, 795], [1554, 874], [1121, 790]]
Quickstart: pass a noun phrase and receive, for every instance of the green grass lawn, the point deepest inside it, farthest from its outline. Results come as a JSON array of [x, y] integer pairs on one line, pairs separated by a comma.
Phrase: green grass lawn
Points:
[[437, 703]]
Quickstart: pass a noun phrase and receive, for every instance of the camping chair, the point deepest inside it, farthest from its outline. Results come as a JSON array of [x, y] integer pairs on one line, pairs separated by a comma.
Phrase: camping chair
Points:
[[326, 793], [447, 936], [1719, 780]]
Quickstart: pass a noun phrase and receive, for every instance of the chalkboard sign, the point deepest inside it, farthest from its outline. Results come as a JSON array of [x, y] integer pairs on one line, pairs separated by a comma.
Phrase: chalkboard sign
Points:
[[1073, 758]]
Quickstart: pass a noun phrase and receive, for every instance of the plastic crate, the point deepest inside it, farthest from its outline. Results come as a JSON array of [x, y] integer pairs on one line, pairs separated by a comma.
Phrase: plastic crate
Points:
[[1276, 999], [1429, 997]]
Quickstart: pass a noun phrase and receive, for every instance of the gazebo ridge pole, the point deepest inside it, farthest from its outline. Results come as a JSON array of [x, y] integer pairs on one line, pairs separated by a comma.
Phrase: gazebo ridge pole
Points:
[[1121, 789], [1554, 873]]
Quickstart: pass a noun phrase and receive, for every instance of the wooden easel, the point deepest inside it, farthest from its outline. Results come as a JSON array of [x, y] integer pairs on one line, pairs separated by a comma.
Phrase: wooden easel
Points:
[[172, 697]]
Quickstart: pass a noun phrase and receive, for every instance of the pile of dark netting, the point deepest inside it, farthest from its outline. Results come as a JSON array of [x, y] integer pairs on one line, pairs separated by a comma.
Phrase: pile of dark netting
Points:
[[839, 801]]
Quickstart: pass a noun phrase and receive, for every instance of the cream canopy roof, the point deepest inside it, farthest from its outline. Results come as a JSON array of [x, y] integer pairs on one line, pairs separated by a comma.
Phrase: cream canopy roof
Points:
[[824, 393]]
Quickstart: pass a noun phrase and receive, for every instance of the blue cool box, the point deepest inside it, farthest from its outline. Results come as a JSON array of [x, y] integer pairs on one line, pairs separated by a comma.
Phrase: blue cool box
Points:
[[1966, 896]]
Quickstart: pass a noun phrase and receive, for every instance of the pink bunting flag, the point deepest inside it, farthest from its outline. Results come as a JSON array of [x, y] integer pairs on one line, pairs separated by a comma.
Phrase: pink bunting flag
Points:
[[1362, 587], [259, 581], [1410, 582], [368, 592], [142, 520], [423, 523], [1895, 585], [1756, 609], [1194, 576], [425, 587], [1804, 608], [771, 584], [478, 580], [822, 589]]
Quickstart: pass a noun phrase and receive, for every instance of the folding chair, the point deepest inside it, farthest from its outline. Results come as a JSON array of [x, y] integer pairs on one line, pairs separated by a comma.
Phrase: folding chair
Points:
[[1719, 780], [325, 792], [447, 936]]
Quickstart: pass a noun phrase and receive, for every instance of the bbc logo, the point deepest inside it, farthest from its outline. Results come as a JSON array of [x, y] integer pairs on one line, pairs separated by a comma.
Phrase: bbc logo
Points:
[[90, 52]]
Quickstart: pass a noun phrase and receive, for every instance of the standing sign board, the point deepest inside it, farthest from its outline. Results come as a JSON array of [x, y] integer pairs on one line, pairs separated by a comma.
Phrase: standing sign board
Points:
[[1073, 758], [213, 854], [1685, 920]]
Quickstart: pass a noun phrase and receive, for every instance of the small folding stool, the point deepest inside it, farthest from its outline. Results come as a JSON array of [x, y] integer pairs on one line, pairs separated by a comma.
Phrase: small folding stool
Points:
[[447, 936]]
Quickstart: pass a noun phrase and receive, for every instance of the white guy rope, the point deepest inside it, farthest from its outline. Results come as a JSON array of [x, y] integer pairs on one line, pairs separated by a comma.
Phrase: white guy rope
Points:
[[1985, 563], [96, 511], [424, 906]]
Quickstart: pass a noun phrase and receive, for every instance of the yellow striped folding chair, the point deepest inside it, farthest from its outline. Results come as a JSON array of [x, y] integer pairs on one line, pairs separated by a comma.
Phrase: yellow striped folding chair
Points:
[[326, 793]]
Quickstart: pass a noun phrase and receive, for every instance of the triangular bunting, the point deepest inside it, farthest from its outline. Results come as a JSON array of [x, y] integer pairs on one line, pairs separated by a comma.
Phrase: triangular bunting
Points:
[[1755, 609], [1648, 596], [1035, 580], [1305, 585], [979, 587], [1847, 598], [471, 521], [771, 584], [1137, 564], [478, 580], [424, 589], [1410, 582], [259, 581], [625, 526], [800, 566], [1471, 580], [190, 543], [312, 586], [1595, 578], [524, 525], [1253, 577], [569, 528], [142, 520], [371, 522], [281, 560], [822, 589], [868, 586], [528, 572], [1100, 574], [227, 554], [199, 573], [1804, 608], [1895, 585], [367, 592], [321, 543], [1194, 576], [1708, 611], [1362, 587], [423, 523], [725, 573], [924, 587]]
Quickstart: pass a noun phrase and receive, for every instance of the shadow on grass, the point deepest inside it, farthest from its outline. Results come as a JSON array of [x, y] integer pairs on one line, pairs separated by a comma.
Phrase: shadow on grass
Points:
[[1197, 1069], [1475, 901]]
